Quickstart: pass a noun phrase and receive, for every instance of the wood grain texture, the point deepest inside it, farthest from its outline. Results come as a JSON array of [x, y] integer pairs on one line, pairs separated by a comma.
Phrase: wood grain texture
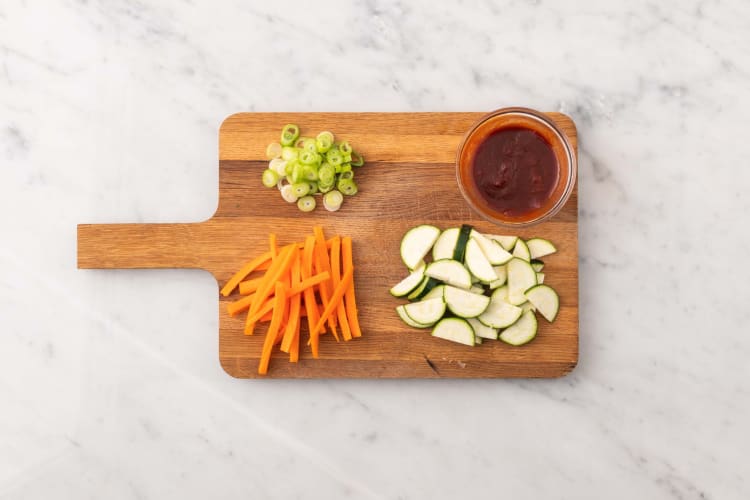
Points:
[[409, 179]]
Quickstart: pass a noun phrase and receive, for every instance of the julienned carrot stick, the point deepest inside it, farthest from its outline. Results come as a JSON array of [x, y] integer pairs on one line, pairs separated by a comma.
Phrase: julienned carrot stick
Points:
[[294, 349], [267, 317], [264, 309], [242, 273], [321, 264], [278, 313], [313, 313], [284, 260], [335, 278], [272, 245], [236, 307], [293, 322], [352, 314], [309, 282], [338, 294], [249, 286]]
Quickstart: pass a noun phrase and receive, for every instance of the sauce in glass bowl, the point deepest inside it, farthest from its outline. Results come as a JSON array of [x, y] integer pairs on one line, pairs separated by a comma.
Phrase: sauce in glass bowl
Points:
[[515, 167]]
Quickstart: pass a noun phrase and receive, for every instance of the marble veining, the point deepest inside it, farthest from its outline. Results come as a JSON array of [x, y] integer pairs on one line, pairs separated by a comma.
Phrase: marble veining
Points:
[[109, 382]]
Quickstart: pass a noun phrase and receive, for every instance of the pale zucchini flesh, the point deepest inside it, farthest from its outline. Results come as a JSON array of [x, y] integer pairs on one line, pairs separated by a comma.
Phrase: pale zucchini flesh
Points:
[[522, 331], [477, 262], [406, 319], [539, 247], [545, 300], [521, 277], [492, 250], [426, 312], [450, 272], [482, 331], [465, 304], [521, 251], [455, 330], [507, 242], [416, 243], [408, 284], [445, 245]]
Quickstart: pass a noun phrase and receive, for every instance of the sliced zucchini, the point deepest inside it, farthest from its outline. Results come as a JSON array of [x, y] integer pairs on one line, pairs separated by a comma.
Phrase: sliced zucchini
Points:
[[546, 301], [539, 278], [477, 339], [408, 284], [494, 252], [450, 272], [477, 263], [435, 292], [426, 312], [522, 331], [521, 277], [482, 331], [465, 304], [521, 251], [463, 238], [502, 277], [500, 314], [539, 247], [431, 283], [445, 245], [406, 319], [507, 242], [537, 264], [415, 293], [527, 306], [416, 243], [455, 330], [477, 289]]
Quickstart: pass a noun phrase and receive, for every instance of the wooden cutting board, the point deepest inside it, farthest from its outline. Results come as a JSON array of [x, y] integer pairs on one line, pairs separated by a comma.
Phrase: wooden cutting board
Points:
[[408, 179]]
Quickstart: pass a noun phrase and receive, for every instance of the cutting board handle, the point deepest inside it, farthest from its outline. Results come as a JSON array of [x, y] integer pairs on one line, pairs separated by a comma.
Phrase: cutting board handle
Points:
[[147, 246]]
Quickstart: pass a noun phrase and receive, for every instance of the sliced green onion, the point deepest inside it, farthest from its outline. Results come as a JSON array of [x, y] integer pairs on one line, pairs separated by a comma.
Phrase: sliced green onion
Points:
[[347, 175], [269, 178], [345, 148], [306, 204], [273, 150], [326, 174], [324, 188], [347, 157], [310, 173], [346, 167], [332, 200], [289, 153], [277, 165], [300, 142], [357, 159], [310, 145], [347, 186], [297, 175], [289, 167], [313, 187], [324, 141], [300, 189], [287, 194], [309, 157], [289, 134], [334, 157]]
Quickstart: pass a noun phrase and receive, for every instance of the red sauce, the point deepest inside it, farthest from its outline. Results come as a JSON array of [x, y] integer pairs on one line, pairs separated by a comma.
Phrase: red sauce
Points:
[[515, 170]]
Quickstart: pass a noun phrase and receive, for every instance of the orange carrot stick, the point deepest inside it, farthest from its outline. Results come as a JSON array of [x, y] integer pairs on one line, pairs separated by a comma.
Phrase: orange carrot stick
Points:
[[336, 278], [236, 307], [321, 265], [265, 265], [264, 309], [294, 348], [293, 323], [350, 302], [338, 294], [277, 269], [272, 244], [309, 283], [242, 273], [273, 328], [249, 286]]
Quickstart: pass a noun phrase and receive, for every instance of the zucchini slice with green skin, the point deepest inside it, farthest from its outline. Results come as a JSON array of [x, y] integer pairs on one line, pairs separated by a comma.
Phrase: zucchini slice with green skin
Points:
[[477, 289], [426, 312], [545, 300], [416, 243], [537, 264], [408, 284], [465, 304], [477, 262], [521, 277], [450, 272], [445, 245], [436, 292], [522, 251], [507, 242], [502, 277], [539, 278], [500, 314], [463, 238], [494, 252], [522, 331], [406, 319], [415, 293], [527, 306], [539, 247], [455, 330], [431, 283], [482, 331], [477, 340]]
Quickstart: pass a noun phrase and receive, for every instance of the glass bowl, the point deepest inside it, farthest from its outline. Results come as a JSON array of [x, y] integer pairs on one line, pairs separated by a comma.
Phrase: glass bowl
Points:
[[516, 118]]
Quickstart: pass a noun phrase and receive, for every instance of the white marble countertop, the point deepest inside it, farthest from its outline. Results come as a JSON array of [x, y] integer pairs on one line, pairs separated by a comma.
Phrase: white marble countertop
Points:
[[109, 381]]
